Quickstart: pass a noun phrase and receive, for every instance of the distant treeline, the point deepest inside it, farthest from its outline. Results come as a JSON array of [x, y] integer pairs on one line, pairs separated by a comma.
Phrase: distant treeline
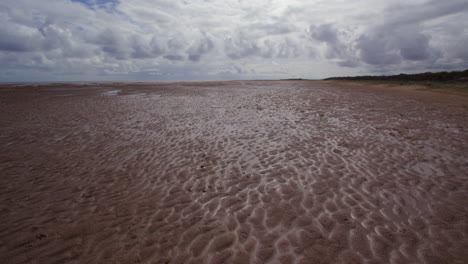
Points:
[[455, 76]]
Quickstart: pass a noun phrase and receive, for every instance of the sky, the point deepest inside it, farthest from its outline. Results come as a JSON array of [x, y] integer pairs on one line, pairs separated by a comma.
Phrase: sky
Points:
[[143, 40]]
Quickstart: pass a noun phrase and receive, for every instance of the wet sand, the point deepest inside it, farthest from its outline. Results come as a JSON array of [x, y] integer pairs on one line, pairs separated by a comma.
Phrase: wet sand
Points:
[[232, 172]]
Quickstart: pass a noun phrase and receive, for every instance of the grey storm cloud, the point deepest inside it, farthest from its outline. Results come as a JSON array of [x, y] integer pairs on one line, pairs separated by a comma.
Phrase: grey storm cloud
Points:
[[401, 37], [414, 47], [20, 38], [198, 49], [337, 47], [240, 47], [214, 39], [174, 57]]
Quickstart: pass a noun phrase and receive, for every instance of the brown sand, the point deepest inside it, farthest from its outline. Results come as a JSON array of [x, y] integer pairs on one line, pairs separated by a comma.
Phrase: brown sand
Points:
[[232, 172]]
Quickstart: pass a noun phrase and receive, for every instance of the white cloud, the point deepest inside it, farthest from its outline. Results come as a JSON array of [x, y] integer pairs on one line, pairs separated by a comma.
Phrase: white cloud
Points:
[[235, 39]]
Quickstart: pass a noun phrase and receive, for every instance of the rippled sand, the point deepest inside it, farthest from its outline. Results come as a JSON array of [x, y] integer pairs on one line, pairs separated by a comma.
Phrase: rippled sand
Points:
[[232, 172]]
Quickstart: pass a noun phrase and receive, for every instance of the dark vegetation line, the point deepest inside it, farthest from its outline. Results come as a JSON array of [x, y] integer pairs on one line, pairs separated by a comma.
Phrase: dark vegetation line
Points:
[[455, 79], [454, 76]]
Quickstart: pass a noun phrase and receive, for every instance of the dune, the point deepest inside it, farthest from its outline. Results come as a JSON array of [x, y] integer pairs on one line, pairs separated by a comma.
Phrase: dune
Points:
[[232, 172]]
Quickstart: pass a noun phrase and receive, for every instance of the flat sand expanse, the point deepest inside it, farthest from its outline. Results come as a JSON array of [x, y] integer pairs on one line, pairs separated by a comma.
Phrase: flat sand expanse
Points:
[[232, 172]]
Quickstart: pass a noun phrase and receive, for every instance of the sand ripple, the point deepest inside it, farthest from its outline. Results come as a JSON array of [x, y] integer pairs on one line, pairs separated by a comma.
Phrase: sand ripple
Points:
[[233, 172]]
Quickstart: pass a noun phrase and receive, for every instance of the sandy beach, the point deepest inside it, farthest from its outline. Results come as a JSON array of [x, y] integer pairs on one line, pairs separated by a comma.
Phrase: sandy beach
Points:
[[290, 172]]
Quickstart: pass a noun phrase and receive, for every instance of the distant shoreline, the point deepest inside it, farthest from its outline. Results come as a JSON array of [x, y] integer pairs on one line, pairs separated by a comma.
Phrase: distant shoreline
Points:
[[438, 80]]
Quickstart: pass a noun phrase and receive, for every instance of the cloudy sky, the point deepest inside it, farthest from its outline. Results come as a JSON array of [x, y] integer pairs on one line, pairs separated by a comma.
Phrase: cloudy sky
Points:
[[78, 40]]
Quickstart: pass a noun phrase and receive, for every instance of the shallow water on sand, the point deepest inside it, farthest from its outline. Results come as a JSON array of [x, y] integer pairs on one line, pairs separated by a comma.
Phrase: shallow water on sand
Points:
[[232, 172]]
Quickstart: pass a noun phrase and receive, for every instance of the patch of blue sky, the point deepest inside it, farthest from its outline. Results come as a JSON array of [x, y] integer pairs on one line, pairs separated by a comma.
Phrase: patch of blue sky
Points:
[[108, 5]]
